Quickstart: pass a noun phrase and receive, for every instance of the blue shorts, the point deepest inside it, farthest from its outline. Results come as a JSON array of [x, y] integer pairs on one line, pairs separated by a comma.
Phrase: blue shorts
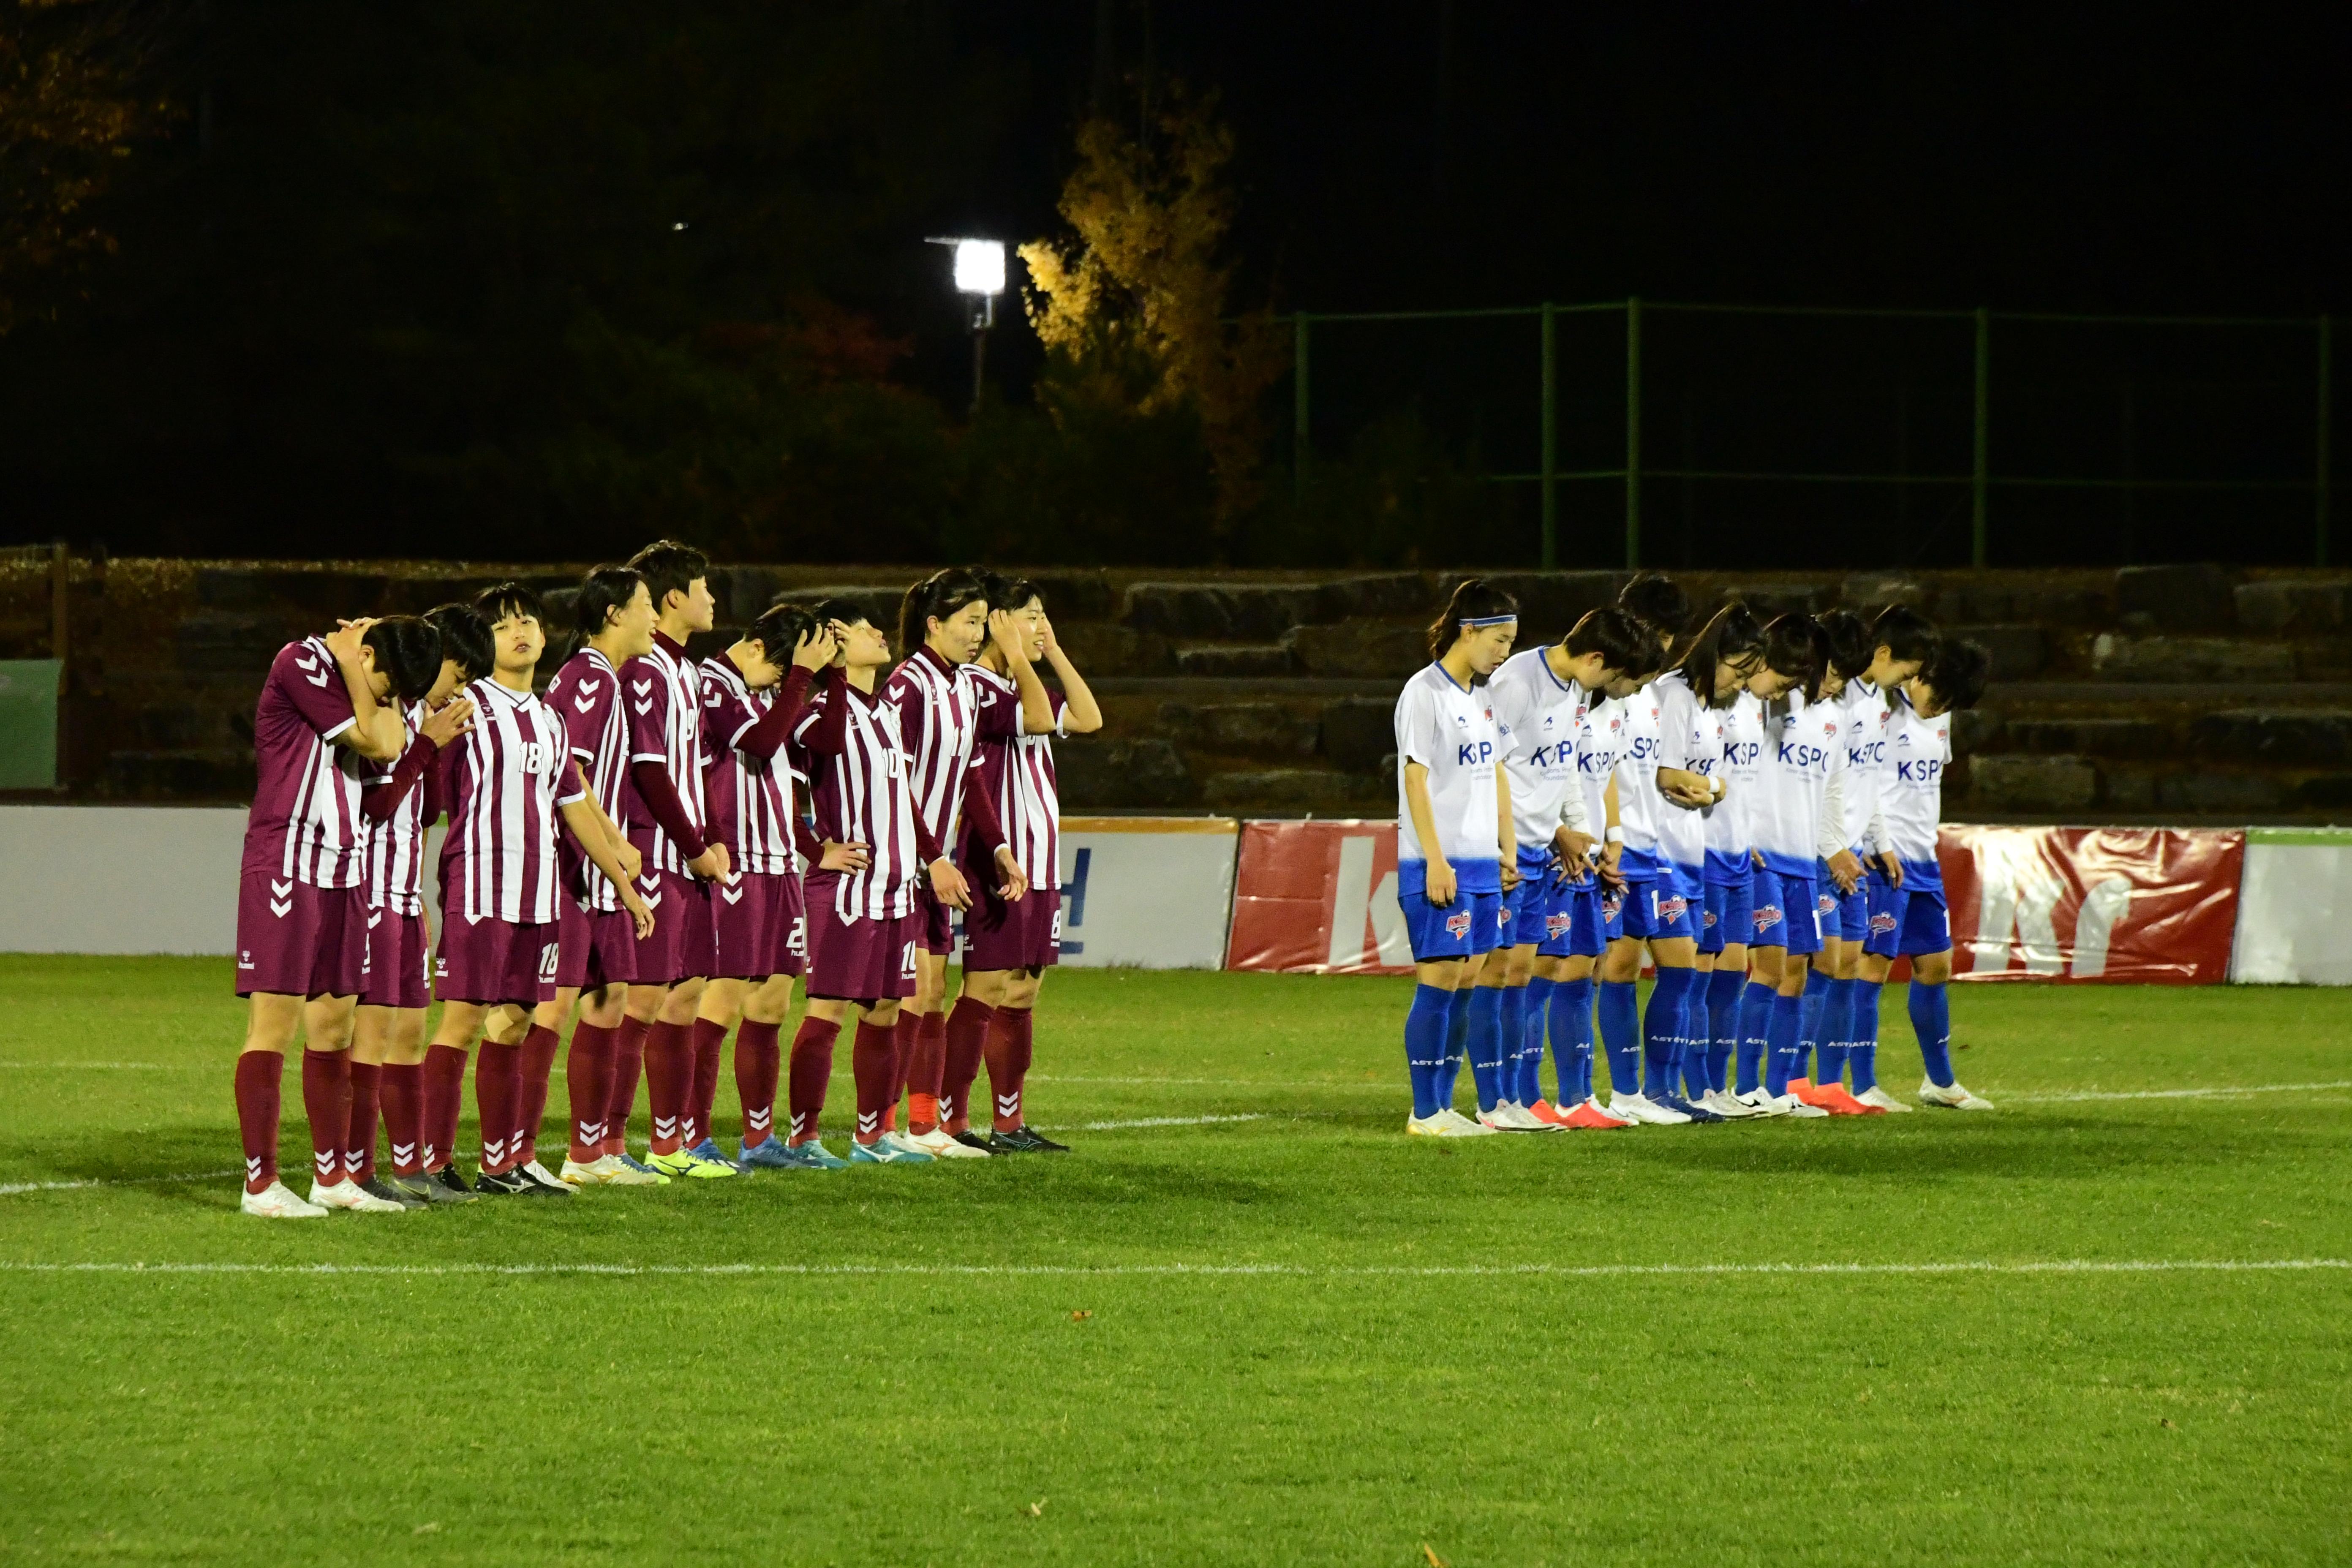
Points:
[[1787, 915], [1907, 922], [1527, 904], [1853, 911], [1472, 924], [1730, 910], [1657, 908], [1576, 917], [1610, 902]]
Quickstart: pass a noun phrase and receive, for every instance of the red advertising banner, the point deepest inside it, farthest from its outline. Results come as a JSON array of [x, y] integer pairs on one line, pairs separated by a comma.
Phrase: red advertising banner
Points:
[[2133, 906], [1319, 898]]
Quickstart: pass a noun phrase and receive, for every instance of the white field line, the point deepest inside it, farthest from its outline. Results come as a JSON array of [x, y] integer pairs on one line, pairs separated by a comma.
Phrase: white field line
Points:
[[2177, 1093], [1220, 1270], [10, 1189], [110, 1066], [1168, 1121]]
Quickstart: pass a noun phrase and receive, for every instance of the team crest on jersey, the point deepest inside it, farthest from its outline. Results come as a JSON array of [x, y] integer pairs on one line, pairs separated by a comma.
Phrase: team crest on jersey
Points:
[[1610, 904], [1555, 927], [1671, 907], [1458, 925], [1881, 925], [1827, 903], [1503, 916], [1767, 916], [1708, 920]]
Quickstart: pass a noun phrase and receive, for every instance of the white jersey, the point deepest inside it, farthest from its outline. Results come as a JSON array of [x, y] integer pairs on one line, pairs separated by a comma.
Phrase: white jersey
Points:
[[1804, 748], [1690, 736], [1729, 833], [395, 850], [1598, 741], [1637, 784], [1450, 730], [1912, 792], [1867, 724], [1540, 717]]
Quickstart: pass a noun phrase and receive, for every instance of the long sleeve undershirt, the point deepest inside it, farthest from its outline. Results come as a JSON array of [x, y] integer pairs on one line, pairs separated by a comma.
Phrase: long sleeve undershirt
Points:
[[828, 737], [767, 737], [379, 801], [660, 796]]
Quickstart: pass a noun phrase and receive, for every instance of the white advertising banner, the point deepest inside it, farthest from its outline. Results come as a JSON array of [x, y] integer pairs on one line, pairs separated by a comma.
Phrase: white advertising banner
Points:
[[121, 879], [1149, 891], [2294, 909]]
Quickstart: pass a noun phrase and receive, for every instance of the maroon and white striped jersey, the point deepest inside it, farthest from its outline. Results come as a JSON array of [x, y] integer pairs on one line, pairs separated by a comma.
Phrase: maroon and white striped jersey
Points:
[[395, 847], [750, 796], [664, 699], [937, 709], [586, 695], [504, 780], [860, 795], [1020, 766], [306, 822]]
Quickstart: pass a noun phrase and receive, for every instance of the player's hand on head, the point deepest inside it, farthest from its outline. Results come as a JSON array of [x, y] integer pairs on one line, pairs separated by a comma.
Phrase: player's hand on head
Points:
[[345, 640], [817, 648], [1045, 630]]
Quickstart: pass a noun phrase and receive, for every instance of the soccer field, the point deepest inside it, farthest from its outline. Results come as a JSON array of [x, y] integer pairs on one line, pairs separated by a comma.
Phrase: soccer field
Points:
[[1246, 1320]]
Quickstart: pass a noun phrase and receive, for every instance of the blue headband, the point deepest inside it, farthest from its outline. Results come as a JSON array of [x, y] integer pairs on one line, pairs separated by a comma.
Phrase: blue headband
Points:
[[1489, 621]]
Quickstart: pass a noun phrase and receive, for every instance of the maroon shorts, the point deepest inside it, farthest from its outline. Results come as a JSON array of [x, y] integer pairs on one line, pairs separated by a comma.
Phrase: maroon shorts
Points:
[[593, 949], [492, 962], [934, 921], [758, 920], [861, 960], [683, 944], [1025, 933], [295, 940], [793, 925], [400, 969]]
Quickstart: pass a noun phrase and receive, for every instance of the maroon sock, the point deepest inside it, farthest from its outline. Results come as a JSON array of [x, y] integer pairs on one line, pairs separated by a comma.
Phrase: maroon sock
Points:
[[257, 1076], [967, 1038], [874, 1061], [531, 1109], [628, 1064], [669, 1077], [327, 1104], [588, 1084], [758, 1063], [358, 1133], [924, 1077], [812, 1072], [708, 1043], [1008, 1065], [404, 1116], [445, 1095], [902, 1058], [497, 1082]]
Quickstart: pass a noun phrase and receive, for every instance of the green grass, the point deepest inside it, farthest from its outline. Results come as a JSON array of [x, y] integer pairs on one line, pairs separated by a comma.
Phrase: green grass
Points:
[[1413, 1360]]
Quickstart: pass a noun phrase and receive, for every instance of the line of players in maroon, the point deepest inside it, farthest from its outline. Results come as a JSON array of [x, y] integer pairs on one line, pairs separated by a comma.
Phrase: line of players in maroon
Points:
[[650, 850]]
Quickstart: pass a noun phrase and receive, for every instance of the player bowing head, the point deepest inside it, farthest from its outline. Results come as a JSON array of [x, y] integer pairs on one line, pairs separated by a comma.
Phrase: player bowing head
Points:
[[1457, 853], [1542, 698]]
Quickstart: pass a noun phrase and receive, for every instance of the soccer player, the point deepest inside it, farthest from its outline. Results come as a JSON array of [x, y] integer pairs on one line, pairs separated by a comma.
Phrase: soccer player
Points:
[[1540, 698], [1693, 700], [388, 1025], [1457, 853], [749, 704], [596, 942], [321, 725], [942, 620], [1011, 943], [1909, 916], [1730, 917], [665, 820], [862, 929], [504, 785]]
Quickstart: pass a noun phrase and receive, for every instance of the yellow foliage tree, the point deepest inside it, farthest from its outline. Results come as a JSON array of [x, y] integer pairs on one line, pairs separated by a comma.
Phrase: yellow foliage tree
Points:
[[1133, 304]]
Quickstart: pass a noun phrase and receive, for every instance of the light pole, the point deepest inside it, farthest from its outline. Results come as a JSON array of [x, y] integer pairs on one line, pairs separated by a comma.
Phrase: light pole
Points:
[[979, 277]]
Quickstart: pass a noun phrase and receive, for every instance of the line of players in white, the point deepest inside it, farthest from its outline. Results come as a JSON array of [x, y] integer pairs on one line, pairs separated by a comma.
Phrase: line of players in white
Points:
[[1753, 806]]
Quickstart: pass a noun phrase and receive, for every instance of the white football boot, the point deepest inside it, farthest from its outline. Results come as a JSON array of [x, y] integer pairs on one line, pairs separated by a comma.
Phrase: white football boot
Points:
[[1728, 1105], [1620, 1118], [346, 1194], [1790, 1105], [941, 1144], [1878, 1097], [277, 1201], [1641, 1108], [1951, 1097], [1508, 1116], [1446, 1123]]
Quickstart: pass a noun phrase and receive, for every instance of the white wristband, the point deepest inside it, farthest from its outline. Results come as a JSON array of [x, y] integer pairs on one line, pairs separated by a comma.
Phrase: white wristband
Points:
[[1616, 836]]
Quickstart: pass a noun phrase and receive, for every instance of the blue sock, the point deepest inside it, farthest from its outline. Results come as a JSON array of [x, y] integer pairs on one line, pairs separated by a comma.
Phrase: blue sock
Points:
[[1931, 1020], [1809, 1025], [1723, 1030], [1424, 1044], [1513, 1023], [1863, 1054], [1755, 1025], [1621, 1035], [1780, 1061], [1531, 1041], [1697, 1036], [1661, 1030], [1571, 1039], [1457, 1045], [1487, 1044], [1837, 1030]]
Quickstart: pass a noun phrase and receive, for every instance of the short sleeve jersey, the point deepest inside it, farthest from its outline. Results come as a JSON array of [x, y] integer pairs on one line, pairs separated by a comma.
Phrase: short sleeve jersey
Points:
[[505, 779], [749, 796], [936, 703], [664, 699], [1804, 743], [1598, 741], [1021, 767], [1729, 837], [1450, 730], [306, 822], [1539, 716], [395, 869], [1912, 790], [1637, 784], [860, 797], [1690, 736], [1867, 723], [586, 695]]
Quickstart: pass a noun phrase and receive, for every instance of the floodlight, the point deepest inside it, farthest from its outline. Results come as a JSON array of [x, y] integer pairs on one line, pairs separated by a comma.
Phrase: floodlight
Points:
[[980, 266]]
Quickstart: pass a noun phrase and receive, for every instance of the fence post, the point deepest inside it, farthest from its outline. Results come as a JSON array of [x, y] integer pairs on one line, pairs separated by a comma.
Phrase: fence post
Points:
[[1550, 441], [1298, 406], [1979, 468], [2326, 418], [1633, 432]]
